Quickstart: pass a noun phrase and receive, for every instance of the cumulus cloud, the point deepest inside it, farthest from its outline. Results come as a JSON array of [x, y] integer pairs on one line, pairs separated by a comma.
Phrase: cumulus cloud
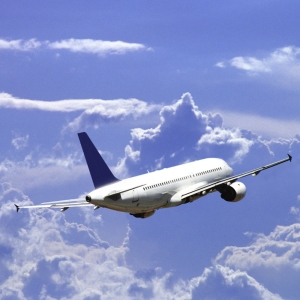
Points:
[[88, 46], [19, 45], [279, 249], [273, 258], [219, 282], [283, 64], [186, 134]]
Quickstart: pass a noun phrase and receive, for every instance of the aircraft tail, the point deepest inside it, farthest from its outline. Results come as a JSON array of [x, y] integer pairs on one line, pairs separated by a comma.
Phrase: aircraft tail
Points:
[[100, 173]]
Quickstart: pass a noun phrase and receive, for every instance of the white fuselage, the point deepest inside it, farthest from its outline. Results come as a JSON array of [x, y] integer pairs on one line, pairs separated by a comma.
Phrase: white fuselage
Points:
[[147, 192]]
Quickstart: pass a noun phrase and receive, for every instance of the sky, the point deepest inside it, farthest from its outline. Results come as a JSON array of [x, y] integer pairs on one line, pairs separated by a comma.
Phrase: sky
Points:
[[154, 84]]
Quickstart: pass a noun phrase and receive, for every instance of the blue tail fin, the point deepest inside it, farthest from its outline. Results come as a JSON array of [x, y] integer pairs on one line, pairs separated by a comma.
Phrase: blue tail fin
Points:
[[100, 173]]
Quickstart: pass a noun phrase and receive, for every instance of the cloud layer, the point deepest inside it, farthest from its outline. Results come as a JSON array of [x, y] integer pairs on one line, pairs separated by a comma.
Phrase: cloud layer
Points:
[[48, 257]]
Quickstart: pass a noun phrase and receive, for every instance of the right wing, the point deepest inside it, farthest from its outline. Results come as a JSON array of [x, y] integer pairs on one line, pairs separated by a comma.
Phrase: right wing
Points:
[[229, 180], [62, 204]]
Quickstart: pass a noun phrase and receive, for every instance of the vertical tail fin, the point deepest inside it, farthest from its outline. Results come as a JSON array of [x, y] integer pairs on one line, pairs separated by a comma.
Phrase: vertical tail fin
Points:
[[100, 173]]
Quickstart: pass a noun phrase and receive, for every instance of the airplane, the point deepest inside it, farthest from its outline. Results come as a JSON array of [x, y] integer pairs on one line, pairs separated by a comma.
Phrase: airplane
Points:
[[142, 195]]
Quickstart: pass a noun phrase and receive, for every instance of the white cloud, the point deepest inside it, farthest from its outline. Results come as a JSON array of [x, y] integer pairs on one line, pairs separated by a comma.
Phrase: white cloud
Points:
[[186, 134], [90, 46], [250, 64], [274, 259], [220, 64], [219, 282], [281, 66], [70, 105], [230, 138], [47, 257], [97, 46], [281, 248], [295, 210], [20, 142], [79, 263], [19, 45], [111, 110]]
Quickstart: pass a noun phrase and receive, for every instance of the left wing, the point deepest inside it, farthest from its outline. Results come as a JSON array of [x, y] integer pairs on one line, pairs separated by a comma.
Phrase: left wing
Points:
[[62, 204], [229, 180]]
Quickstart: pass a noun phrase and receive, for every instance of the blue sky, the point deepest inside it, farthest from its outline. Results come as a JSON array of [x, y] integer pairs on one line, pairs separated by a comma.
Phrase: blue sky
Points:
[[155, 84]]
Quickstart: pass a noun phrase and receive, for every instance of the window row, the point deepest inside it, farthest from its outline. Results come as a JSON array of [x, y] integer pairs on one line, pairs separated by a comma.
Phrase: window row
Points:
[[180, 179]]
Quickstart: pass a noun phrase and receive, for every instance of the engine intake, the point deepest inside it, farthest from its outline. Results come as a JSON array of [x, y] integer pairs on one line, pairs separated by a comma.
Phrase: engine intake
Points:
[[234, 192]]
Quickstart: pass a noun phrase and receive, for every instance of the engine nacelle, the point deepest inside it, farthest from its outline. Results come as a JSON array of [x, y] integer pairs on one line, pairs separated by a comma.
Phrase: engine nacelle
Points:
[[144, 215], [234, 192]]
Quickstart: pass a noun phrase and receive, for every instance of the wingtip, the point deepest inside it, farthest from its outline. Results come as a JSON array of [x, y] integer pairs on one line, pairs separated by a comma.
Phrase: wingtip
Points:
[[290, 157], [17, 207]]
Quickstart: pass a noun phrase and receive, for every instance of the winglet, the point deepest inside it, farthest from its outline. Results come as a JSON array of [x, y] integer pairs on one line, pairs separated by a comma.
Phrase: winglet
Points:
[[17, 207], [290, 157], [100, 173]]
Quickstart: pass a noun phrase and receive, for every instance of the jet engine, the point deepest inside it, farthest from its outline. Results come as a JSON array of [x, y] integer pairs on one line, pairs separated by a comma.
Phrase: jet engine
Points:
[[144, 215], [234, 192]]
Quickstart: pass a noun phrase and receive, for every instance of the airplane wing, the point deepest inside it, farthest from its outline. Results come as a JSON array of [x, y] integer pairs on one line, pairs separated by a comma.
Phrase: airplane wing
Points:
[[62, 204], [229, 180]]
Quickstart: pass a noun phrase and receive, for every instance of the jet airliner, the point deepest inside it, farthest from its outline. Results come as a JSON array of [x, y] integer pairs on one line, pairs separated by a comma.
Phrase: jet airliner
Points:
[[142, 195]]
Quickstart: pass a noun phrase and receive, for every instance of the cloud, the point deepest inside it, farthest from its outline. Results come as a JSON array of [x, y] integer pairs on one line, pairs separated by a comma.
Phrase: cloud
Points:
[[295, 210], [219, 282], [281, 66], [273, 258], [79, 263], [89, 46], [279, 249], [250, 64], [111, 110], [47, 257], [186, 134], [98, 47], [265, 126], [106, 108], [20, 45], [20, 142]]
